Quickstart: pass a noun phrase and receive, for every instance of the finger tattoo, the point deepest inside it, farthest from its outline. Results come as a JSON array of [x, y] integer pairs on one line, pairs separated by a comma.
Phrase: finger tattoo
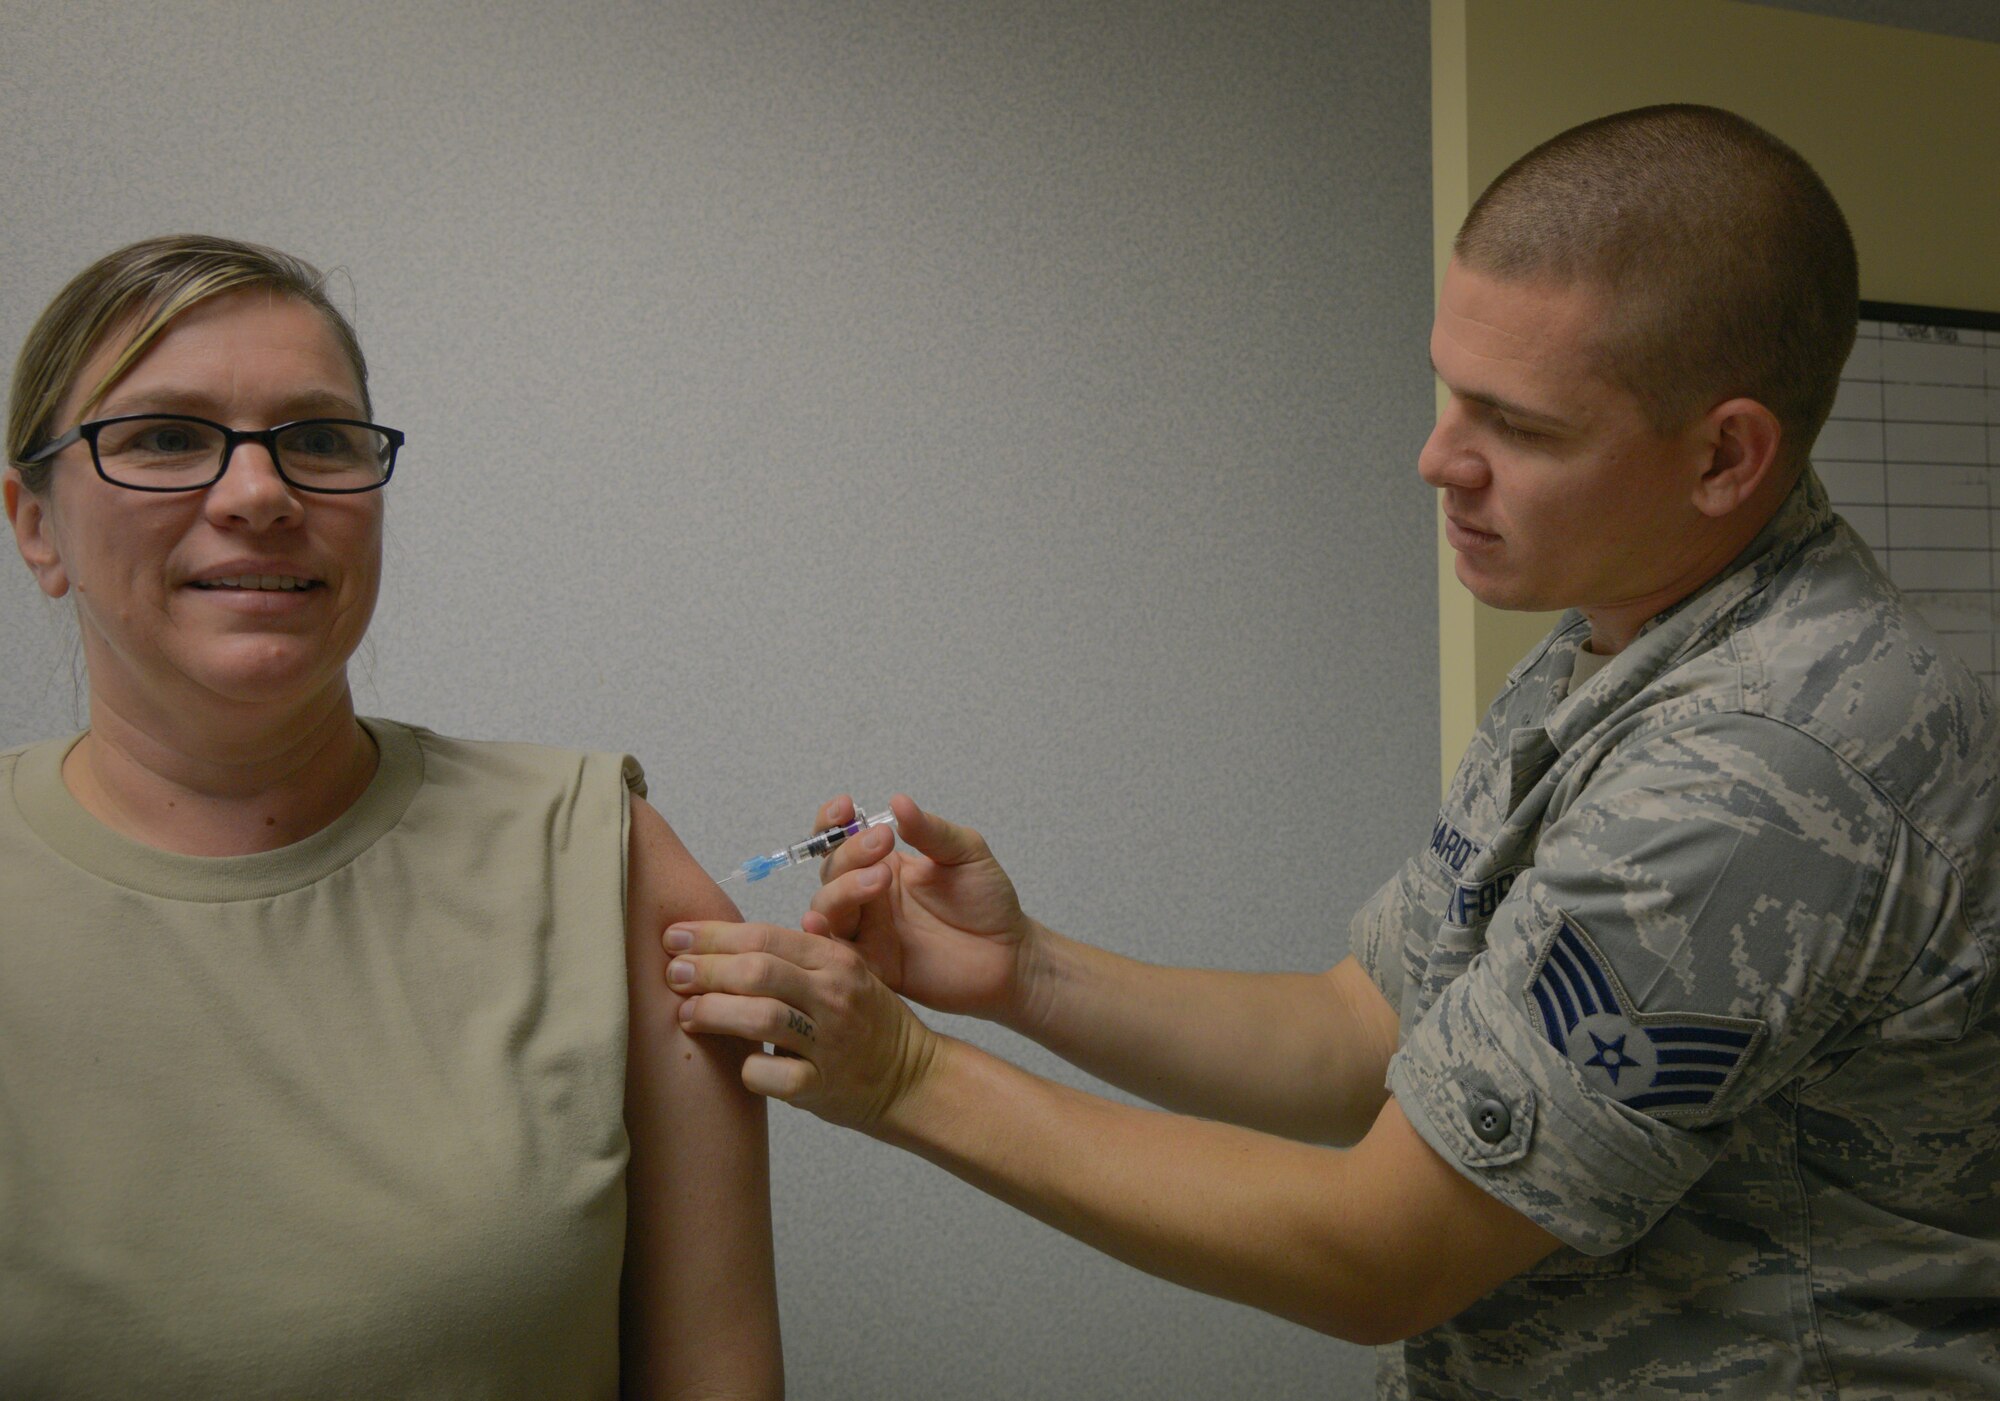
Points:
[[800, 1025]]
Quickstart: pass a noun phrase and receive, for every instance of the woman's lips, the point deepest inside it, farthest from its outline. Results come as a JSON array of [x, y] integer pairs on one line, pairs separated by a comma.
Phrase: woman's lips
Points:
[[1464, 537], [260, 596], [274, 583]]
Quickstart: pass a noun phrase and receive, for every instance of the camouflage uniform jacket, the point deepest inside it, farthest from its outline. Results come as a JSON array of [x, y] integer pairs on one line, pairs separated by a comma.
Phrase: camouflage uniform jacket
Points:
[[1698, 972]]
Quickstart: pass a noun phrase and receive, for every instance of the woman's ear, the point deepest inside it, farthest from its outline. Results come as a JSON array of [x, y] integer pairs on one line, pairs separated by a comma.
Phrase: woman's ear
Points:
[[34, 533]]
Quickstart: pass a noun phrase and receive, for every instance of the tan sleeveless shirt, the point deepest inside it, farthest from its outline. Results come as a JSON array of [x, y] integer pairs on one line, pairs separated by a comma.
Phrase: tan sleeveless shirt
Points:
[[343, 1119]]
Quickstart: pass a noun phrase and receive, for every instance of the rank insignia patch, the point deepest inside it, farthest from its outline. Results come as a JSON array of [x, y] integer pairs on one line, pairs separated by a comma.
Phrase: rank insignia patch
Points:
[[1666, 1064]]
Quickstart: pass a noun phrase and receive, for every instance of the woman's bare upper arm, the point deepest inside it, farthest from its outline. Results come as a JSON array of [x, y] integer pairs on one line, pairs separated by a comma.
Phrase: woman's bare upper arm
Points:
[[700, 1295], [695, 1081], [669, 1071]]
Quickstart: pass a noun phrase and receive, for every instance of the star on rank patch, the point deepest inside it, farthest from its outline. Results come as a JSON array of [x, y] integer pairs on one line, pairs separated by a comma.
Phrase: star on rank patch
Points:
[[1611, 1057], [1672, 1065]]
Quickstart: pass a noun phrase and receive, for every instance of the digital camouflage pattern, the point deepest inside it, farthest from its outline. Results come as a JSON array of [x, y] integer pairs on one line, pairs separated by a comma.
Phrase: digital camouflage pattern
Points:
[[1697, 972]]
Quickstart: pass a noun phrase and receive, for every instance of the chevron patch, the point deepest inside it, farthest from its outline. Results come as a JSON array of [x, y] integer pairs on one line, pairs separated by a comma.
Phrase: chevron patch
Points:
[[1666, 1064]]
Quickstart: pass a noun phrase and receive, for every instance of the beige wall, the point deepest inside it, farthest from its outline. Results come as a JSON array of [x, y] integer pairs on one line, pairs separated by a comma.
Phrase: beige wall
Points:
[[1902, 126]]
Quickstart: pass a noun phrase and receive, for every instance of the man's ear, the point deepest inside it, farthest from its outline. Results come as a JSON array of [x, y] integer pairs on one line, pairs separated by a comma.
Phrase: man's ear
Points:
[[34, 533], [1742, 437]]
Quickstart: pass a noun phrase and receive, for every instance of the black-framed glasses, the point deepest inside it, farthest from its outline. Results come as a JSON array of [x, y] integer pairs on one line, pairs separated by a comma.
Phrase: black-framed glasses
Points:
[[177, 452]]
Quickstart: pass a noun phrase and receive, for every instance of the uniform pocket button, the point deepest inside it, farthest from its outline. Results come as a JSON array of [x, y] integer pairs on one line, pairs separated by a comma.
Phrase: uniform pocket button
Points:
[[1491, 1120]]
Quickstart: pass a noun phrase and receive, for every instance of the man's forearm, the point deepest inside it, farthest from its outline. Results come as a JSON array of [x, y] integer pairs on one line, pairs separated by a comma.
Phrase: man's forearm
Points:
[[1369, 1244], [1224, 1210], [1302, 1055]]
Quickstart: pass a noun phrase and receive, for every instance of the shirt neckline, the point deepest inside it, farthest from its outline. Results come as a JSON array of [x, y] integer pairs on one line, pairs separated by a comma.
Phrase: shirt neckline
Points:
[[52, 812], [1802, 517]]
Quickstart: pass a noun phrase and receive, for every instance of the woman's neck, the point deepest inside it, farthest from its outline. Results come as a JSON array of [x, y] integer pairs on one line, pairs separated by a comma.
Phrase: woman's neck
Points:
[[221, 789]]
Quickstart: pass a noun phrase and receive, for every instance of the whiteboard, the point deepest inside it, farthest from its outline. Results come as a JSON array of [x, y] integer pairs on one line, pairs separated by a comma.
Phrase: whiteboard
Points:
[[1911, 457]]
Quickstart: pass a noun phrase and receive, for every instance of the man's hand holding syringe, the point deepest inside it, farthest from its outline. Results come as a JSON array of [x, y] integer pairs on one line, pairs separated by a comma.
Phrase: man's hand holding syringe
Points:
[[938, 921]]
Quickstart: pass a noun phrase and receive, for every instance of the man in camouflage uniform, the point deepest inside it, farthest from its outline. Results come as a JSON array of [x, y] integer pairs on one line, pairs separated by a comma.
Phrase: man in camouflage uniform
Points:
[[1686, 1012], [1696, 973]]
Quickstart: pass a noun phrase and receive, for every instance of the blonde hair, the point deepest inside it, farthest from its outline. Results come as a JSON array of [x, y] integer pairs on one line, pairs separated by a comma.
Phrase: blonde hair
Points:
[[1730, 267], [144, 285]]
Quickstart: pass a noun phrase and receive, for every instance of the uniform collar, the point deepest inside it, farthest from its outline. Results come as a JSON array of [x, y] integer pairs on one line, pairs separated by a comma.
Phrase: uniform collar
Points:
[[1684, 628]]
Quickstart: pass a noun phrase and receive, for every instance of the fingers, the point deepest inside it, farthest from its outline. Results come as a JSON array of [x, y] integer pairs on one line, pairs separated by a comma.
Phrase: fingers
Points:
[[834, 812], [846, 1047], [720, 937], [944, 842], [748, 960], [862, 850], [779, 1077], [764, 1020], [838, 903]]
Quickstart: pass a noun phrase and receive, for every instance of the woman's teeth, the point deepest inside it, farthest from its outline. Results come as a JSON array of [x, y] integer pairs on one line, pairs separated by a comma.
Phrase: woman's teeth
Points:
[[281, 582]]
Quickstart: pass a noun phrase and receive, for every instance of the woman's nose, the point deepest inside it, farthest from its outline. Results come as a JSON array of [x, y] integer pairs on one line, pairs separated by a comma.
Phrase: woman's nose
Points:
[[251, 491]]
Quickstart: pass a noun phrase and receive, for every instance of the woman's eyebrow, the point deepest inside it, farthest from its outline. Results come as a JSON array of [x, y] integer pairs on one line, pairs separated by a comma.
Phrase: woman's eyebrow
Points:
[[311, 403]]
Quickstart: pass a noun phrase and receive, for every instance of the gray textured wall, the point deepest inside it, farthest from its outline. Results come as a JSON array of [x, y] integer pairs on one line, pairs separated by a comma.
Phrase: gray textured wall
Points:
[[1016, 404]]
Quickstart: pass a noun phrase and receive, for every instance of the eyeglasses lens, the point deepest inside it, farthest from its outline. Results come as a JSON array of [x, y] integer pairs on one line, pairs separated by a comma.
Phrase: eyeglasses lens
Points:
[[333, 455], [158, 452]]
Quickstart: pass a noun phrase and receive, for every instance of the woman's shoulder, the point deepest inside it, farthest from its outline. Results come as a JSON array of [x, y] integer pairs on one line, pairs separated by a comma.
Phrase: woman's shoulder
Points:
[[453, 761]]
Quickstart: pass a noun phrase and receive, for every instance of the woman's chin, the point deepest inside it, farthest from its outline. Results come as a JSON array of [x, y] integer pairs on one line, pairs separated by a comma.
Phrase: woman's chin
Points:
[[273, 674]]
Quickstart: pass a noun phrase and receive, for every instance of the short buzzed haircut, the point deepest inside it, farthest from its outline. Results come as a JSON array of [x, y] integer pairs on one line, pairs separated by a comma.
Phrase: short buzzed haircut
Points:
[[1730, 269]]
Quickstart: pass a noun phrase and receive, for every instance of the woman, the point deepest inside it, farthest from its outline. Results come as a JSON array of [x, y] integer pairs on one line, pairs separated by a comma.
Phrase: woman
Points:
[[324, 1069]]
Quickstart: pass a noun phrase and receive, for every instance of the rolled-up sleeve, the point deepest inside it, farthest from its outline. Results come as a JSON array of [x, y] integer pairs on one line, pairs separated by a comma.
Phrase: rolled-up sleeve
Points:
[[1702, 914]]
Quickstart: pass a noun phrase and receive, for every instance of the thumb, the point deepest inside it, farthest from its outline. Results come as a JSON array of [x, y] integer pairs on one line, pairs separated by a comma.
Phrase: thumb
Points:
[[944, 842]]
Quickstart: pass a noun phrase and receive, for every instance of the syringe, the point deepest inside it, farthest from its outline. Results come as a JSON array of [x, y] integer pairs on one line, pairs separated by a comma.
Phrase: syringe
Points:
[[811, 849]]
